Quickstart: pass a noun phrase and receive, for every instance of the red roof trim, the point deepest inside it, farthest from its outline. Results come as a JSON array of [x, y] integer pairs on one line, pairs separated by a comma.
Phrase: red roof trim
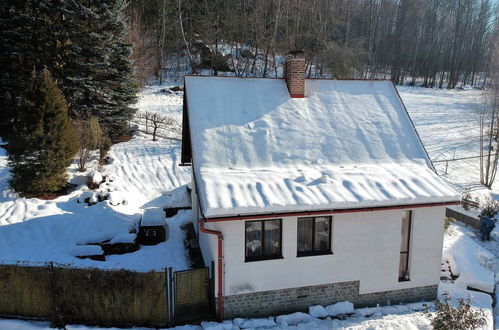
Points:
[[325, 212]]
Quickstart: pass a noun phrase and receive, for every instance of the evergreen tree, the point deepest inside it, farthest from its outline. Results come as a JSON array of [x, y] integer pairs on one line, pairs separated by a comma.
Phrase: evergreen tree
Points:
[[30, 38], [81, 42], [43, 142], [99, 77]]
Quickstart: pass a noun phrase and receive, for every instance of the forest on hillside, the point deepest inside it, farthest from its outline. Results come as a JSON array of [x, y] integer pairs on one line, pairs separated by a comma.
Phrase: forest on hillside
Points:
[[433, 43], [70, 70]]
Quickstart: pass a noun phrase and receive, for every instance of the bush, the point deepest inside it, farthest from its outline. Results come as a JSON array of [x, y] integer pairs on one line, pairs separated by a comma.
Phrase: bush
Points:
[[447, 222], [104, 147], [90, 136], [467, 201], [489, 208], [462, 317]]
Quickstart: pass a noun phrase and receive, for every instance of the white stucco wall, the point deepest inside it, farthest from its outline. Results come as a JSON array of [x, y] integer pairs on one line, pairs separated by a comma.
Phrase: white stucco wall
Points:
[[365, 246], [207, 243]]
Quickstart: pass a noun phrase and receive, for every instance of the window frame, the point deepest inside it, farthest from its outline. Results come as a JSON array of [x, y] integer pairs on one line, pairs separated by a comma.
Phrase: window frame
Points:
[[263, 256], [315, 252], [407, 250]]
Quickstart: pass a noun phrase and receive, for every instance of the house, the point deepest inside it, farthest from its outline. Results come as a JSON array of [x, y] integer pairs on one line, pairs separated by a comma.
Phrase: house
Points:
[[311, 191]]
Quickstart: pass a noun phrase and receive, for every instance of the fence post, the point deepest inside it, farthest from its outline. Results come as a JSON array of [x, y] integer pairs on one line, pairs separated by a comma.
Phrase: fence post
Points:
[[171, 299], [167, 291]]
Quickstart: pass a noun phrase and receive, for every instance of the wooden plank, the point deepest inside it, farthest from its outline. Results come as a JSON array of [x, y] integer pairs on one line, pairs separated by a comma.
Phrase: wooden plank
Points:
[[191, 286]]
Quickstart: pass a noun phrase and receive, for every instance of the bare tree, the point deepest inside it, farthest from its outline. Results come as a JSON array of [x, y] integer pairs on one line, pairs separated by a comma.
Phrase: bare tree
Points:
[[146, 116], [427, 42], [160, 122], [489, 123], [167, 122], [144, 57]]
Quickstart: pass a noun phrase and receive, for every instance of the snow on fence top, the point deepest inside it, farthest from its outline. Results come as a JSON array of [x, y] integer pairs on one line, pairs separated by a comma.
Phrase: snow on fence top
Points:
[[347, 144]]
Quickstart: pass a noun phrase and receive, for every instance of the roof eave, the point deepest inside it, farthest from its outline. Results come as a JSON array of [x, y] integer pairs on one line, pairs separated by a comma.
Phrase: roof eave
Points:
[[327, 212]]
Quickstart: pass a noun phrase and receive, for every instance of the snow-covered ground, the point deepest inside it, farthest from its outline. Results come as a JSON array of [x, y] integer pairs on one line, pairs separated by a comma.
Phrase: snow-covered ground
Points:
[[448, 123], [143, 172], [140, 173]]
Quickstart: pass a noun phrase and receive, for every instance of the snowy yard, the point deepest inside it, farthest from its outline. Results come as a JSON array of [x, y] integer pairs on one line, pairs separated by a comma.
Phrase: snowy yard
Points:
[[142, 172]]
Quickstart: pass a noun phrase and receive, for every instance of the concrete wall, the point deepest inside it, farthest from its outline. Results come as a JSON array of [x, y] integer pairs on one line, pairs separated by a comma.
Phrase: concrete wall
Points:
[[464, 218], [365, 248]]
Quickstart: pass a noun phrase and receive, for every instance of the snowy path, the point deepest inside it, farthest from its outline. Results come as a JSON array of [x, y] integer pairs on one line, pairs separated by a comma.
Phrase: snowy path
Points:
[[493, 247]]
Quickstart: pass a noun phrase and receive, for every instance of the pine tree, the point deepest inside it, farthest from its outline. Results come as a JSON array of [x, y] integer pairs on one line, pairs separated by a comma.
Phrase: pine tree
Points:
[[99, 77], [44, 142], [31, 37], [81, 42]]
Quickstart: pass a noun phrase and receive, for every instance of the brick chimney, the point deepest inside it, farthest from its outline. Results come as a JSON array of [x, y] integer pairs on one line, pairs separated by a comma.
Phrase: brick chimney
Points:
[[294, 73]]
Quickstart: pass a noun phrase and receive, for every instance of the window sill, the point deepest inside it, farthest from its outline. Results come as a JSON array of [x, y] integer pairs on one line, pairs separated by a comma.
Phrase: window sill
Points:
[[314, 254], [264, 259]]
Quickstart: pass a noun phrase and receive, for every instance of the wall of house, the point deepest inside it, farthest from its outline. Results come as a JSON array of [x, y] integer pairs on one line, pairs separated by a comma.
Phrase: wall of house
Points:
[[207, 242], [195, 204], [365, 246]]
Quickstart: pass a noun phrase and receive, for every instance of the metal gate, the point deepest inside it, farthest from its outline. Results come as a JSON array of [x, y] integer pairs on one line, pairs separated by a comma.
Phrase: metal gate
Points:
[[191, 295]]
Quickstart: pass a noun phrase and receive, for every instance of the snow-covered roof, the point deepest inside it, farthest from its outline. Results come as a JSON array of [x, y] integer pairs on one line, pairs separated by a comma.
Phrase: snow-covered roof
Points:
[[153, 216], [347, 144]]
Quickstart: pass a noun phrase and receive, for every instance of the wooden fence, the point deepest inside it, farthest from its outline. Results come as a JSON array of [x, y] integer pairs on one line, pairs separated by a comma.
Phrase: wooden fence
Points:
[[464, 218], [89, 296], [93, 296]]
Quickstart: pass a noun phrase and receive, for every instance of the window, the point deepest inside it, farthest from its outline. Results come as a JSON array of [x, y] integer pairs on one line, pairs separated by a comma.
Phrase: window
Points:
[[404, 246], [314, 236], [263, 240]]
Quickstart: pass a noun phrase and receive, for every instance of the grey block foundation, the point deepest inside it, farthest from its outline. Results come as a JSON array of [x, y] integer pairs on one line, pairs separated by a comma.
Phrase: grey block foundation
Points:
[[276, 302]]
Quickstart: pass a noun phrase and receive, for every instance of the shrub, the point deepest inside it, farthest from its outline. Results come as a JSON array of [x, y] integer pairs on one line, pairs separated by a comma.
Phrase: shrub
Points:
[[467, 201], [104, 147], [462, 317], [90, 136], [447, 222], [489, 208]]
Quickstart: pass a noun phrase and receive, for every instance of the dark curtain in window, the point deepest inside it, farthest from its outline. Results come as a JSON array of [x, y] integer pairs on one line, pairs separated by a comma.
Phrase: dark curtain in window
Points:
[[263, 239], [272, 239], [321, 240], [253, 239], [314, 235], [305, 234]]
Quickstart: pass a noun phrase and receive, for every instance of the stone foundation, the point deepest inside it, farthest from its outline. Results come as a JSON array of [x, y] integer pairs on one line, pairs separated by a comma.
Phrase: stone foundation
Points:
[[277, 302]]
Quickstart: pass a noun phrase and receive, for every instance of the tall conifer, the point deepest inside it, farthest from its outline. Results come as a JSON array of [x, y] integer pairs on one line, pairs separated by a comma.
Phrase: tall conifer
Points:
[[82, 44], [43, 142]]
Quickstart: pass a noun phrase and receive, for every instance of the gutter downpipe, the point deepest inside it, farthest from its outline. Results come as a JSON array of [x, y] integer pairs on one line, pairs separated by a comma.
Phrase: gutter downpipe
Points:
[[220, 264]]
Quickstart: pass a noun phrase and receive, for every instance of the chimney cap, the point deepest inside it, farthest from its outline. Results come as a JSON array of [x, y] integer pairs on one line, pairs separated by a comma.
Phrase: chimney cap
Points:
[[296, 53]]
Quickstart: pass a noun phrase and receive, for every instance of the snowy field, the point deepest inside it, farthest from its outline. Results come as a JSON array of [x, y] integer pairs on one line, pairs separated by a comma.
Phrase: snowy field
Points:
[[142, 173], [448, 123]]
